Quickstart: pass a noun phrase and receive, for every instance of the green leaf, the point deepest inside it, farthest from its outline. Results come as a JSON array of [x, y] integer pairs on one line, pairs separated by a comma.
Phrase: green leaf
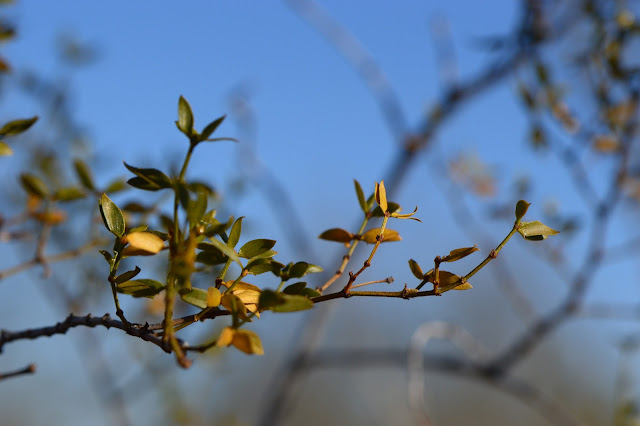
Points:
[[447, 281], [34, 185], [337, 234], [16, 127], [234, 234], [295, 288], [226, 250], [5, 150], [148, 179], [371, 236], [300, 269], [416, 269], [254, 248], [116, 186], [112, 216], [126, 276], [310, 293], [221, 140], [211, 257], [280, 302], [69, 194], [458, 254], [391, 206], [195, 296], [521, 209], [185, 117], [535, 231], [84, 174], [197, 207], [211, 127], [264, 255], [360, 194], [141, 288], [107, 256], [262, 265]]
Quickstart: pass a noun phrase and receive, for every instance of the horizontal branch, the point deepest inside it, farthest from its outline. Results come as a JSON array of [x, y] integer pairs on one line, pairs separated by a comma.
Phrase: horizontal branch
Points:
[[406, 293], [137, 330]]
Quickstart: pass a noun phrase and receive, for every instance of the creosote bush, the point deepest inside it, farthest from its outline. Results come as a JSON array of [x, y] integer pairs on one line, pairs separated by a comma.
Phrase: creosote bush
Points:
[[193, 241]]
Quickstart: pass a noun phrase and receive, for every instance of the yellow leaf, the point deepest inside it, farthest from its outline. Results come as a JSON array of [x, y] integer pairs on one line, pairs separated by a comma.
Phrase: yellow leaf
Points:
[[248, 342], [336, 234], [142, 244], [226, 337], [465, 286], [406, 215], [231, 300], [372, 234], [247, 296], [5, 150], [241, 285], [213, 297], [606, 143], [460, 253], [51, 217], [381, 196]]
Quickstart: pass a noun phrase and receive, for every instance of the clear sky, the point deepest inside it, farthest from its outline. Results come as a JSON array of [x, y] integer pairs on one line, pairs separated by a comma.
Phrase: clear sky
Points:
[[318, 127]]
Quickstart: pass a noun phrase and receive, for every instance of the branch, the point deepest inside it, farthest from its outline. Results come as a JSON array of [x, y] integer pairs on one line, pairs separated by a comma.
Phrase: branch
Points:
[[29, 369], [137, 330]]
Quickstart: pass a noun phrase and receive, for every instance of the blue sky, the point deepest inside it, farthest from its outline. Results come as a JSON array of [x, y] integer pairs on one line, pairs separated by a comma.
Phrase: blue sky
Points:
[[318, 127]]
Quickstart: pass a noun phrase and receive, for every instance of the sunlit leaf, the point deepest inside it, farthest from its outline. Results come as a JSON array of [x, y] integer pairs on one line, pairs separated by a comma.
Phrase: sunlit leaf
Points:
[[195, 296], [211, 257], [5, 150], [234, 304], [226, 337], [295, 288], [107, 256], [112, 216], [226, 250], [280, 302], [416, 269], [16, 127], [361, 199], [535, 230], [185, 117], [141, 288], [371, 236], [126, 276], [234, 234], [381, 196], [391, 208], [460, 253], [447, 281], [521, 209], [337, 234], [248, 342], [211, 127], [142, 244], [301, 269], [254, 248], [213, 297], [261, 265], [406, 215], [148, 179]]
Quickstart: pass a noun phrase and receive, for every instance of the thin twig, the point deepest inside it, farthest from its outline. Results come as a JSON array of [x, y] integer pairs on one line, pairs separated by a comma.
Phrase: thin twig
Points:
[[29, 369]]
